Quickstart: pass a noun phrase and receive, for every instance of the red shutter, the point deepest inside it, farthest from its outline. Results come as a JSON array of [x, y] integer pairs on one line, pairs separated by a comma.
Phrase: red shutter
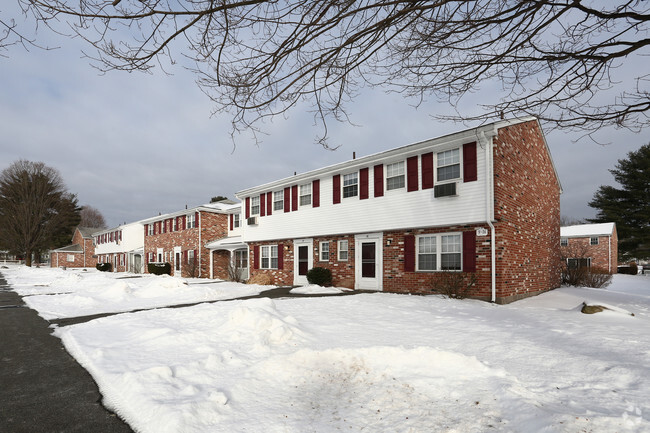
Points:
[[409, 253], [248, 207], [315, 193], [269, 203], [287, 199], [185, 256], [363, 183], [294, 197], [262, 204], [280, 256], [469, 162], [184, 219], [427, 170], [412, 173], [155, 226], [336, 181], [196, 219], [469, 251], [379, 180], [256, 257], [232, 222]]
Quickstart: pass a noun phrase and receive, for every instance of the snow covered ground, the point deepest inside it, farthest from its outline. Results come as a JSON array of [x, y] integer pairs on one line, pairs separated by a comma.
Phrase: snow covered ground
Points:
[[57, 293], [377, 363]]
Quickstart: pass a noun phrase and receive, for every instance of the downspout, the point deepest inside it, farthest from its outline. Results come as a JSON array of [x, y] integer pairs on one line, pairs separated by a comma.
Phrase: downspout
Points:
[[211, 265], [198, 224], [489, 203], [609, 256]]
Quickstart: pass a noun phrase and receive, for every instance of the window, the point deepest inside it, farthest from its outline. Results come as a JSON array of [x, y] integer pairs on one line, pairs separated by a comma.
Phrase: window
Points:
[[173, 224], [150, 229], [235, 220], [190, 256], [577, 263], [593, 240], [269, 256], [448, 166], [324, 251], [305, 194], [255, 205], [395, 176], [190, 222], [343, 251], [439, 252], [278, 200], [350, 185], [564, 242], [71, 257]]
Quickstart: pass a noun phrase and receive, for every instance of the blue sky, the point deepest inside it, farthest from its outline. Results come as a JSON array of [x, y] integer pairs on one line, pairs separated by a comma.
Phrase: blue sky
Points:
[[133, 145]]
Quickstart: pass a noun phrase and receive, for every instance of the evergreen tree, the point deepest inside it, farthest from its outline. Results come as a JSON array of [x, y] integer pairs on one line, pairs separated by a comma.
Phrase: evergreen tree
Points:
[[628, 206]]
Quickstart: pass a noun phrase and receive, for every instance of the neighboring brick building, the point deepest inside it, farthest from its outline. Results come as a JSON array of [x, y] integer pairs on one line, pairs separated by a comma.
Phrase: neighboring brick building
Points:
[[80, 254], [180, 238], [122, 247], [483, 201], [590, 245]]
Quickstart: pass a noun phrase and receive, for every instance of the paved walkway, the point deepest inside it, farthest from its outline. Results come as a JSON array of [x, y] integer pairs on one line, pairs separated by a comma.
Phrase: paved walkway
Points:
[[42, 388]]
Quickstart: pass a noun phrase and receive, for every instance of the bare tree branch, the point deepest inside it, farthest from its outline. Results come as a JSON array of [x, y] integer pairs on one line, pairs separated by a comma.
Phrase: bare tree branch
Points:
[[559, 60]]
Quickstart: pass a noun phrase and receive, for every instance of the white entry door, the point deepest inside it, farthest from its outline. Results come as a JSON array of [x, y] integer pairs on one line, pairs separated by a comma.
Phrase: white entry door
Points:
[[368, 259], [303, 260]]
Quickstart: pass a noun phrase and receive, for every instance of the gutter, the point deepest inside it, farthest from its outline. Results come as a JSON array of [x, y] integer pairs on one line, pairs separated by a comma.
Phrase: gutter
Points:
[[489, 203]]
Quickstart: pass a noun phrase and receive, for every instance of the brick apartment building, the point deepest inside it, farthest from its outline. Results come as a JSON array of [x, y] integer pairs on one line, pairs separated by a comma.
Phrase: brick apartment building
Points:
[[79, 254], [484, 201], [590, 245], [180, 238]]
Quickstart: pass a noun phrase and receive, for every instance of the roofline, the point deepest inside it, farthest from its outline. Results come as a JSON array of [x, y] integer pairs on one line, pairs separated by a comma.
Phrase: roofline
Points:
[[456, 138], [201, 208]]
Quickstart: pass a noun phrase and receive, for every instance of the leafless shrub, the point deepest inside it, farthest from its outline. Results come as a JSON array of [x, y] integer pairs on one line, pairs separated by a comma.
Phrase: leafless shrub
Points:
[[456, 285]]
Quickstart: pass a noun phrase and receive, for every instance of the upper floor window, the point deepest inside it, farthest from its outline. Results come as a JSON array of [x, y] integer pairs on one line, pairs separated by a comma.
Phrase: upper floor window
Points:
[[448, 165], [150, 229], [269, 257], [439, 252], [190, 221], [324, 251], [343, 251], [305, 194], [593, 240], [235, 220], [278, 200], [564, 242], [395, 177], [255, 205], [350, 185], [173, 224]]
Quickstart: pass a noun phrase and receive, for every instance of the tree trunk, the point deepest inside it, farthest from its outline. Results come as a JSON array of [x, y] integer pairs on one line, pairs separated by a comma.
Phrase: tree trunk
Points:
[[28, 258]]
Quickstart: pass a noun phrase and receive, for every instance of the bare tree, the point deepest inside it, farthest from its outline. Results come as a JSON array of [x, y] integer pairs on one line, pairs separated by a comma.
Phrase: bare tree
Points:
[[36, 211], [259, 58], [91, 217]]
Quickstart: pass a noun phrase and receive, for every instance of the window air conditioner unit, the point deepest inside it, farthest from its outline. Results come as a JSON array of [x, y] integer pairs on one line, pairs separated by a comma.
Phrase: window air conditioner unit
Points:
[[252, 221], [445, 190]]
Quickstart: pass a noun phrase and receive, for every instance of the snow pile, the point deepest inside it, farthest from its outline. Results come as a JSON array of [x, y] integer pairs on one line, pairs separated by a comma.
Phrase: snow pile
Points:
[[57, 293], [313, 289]]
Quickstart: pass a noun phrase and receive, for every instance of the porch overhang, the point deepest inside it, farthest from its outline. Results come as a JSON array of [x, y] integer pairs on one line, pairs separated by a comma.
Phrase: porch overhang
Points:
[[231, 243]]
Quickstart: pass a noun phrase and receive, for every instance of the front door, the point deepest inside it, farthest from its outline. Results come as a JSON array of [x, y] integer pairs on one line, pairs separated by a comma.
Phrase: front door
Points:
[[241, 263], [303, 260], [368, 261]]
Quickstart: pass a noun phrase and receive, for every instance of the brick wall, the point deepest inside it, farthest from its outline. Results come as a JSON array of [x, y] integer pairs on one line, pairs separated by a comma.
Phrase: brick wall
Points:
[[279, 277], [210, 227], [527, 211], [602, 255], [81, 260]]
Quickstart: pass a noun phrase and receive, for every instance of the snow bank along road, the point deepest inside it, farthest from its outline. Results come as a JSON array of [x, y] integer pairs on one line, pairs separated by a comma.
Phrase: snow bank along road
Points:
[[375, 362]]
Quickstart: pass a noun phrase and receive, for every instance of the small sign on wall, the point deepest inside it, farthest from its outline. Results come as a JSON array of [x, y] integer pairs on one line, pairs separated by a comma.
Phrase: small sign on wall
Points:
[[481, 231]]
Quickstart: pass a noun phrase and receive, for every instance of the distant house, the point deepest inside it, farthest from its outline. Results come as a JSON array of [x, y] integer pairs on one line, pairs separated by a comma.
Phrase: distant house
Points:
[[122, 247], [180, 238], [590, 245], [229, 254], [483, 201], [79, 254]]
